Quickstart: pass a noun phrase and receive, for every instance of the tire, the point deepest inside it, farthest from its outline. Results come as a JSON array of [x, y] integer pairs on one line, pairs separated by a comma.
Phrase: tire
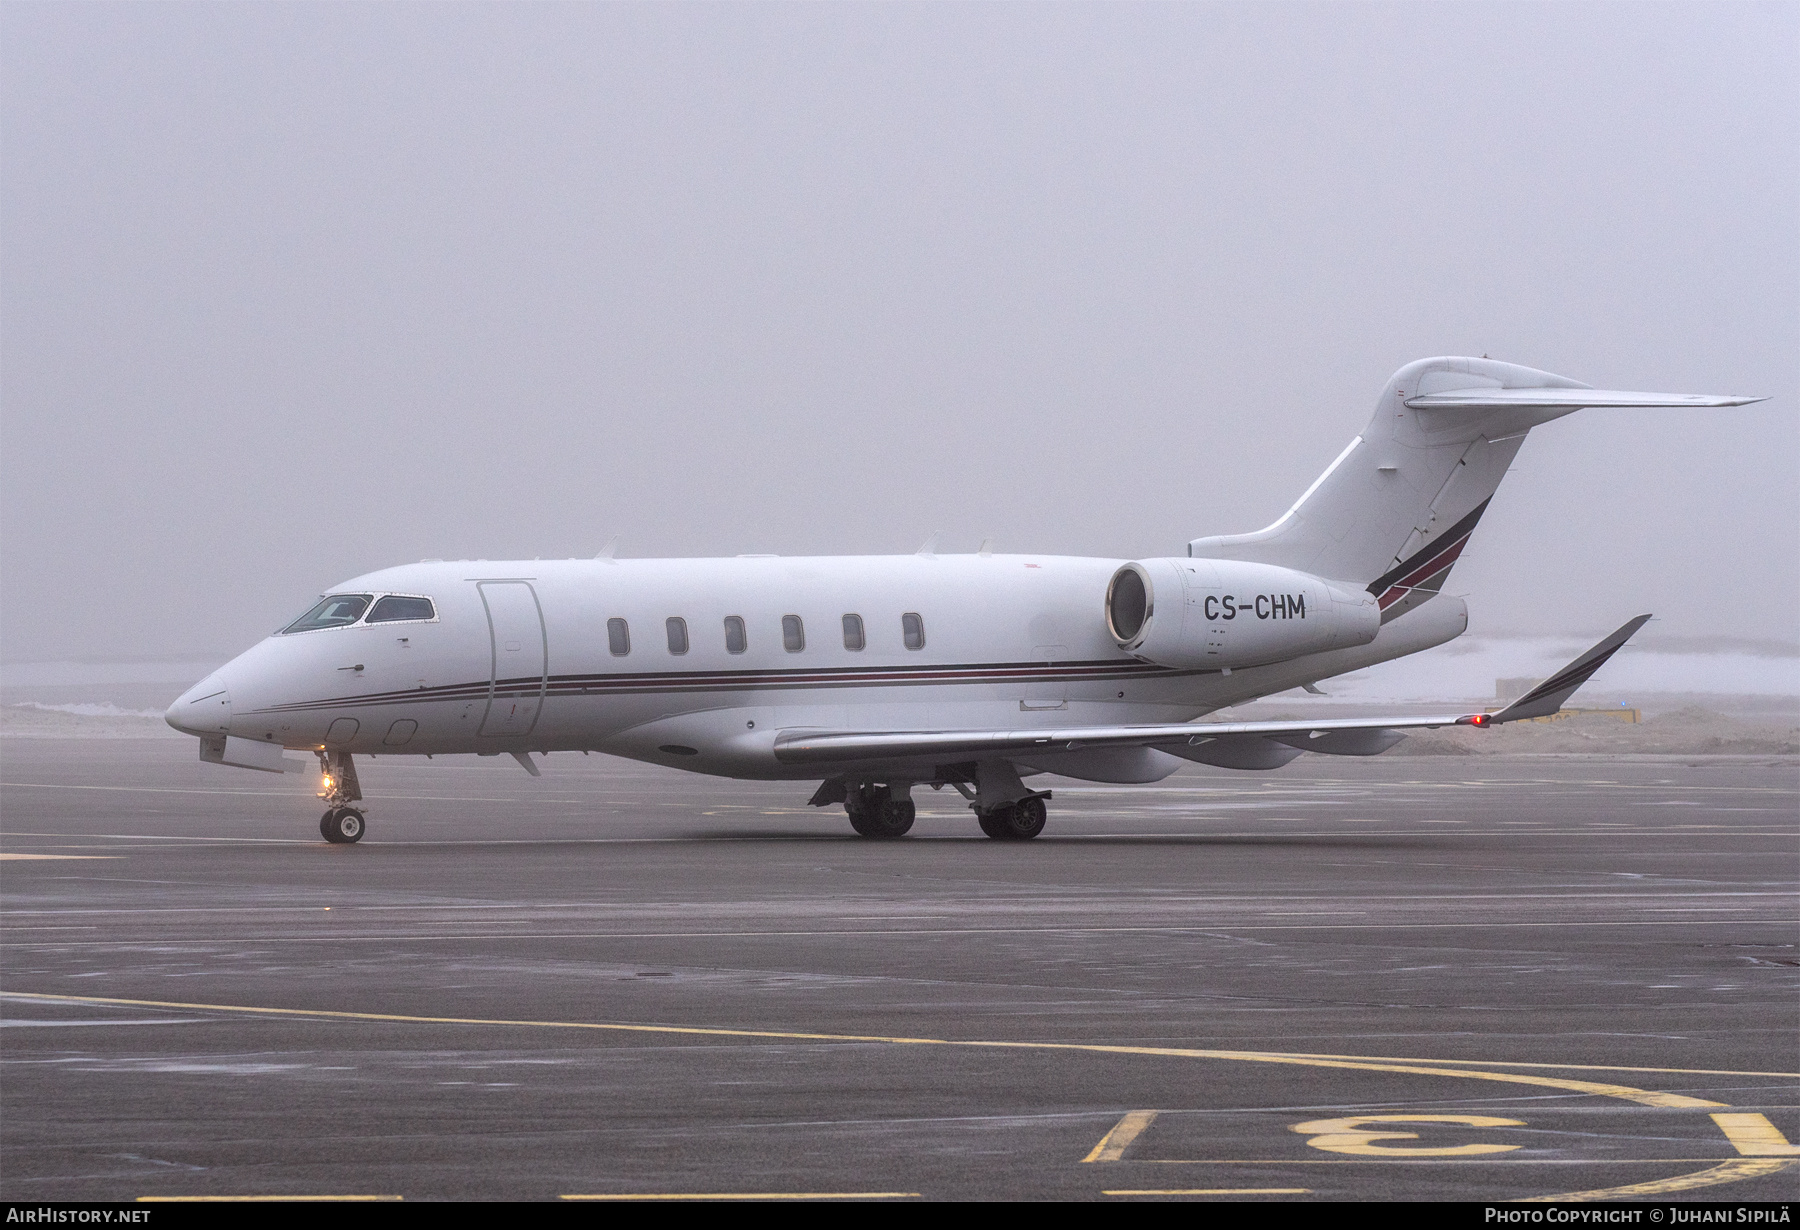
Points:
[[895, 818], [342, 826], [1028, 816], [1019, 822], [885, 820]]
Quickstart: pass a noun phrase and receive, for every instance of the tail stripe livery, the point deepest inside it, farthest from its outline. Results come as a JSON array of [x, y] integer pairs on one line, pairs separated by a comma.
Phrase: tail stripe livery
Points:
[[1426, 569]]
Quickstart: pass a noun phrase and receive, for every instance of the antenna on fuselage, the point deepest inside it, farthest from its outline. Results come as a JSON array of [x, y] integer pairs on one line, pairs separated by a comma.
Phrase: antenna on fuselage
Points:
[[607, 552], [986, 549], [929, 550]]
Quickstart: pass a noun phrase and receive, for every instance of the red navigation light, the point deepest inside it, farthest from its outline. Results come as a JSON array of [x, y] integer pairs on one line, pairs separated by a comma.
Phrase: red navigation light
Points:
[[1480, 719]]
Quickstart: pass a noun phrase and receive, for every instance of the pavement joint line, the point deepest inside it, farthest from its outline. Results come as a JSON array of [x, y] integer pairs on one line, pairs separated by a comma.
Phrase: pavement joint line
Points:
[[830, 837], [1166, 903], [1645, 1097], [1221, 927]]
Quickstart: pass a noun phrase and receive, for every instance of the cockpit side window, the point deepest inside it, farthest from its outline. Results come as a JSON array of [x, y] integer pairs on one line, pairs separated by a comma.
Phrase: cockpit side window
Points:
[[394, 607], [334, 611]]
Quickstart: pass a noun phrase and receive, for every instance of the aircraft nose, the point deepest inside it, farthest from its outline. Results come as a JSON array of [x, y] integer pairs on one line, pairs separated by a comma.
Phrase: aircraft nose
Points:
[[204, 709]]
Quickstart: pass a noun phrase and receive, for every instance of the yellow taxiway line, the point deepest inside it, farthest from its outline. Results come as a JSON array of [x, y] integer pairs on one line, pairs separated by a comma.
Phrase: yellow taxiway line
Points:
[[1210, 1191], [1730, 1172], [1628, 1093]]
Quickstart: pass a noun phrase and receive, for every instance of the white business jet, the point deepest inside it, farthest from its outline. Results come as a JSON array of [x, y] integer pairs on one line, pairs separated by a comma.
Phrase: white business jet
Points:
[[876, 674]]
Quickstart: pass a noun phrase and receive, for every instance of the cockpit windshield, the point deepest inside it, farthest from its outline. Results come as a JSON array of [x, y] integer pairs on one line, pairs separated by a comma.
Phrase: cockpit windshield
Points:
[[397, 607], [334, 611]]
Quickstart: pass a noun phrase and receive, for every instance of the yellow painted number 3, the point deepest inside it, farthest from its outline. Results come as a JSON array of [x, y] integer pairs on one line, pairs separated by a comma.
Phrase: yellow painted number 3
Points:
[[1352, 1136]]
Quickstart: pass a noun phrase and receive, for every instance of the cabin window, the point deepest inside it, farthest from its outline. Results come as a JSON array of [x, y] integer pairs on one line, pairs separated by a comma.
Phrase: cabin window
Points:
[[618, 637], [677, 634], [853, 632], [394, 608], [735, 640], [793, 634], [335, 611], [912, 630]]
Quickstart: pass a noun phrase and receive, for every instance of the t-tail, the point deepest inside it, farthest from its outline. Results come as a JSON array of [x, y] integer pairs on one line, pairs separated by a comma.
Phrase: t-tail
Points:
[[1395, 510]]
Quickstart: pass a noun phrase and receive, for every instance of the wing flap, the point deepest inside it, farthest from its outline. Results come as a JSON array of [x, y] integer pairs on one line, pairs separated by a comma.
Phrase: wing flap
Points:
[[827, 746]]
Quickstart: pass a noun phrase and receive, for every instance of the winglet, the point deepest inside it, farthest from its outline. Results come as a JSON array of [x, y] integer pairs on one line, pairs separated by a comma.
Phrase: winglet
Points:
[[1549, 695]]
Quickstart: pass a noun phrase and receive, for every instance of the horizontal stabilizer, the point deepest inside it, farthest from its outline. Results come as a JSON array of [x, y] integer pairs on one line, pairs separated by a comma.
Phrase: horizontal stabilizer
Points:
[[1567, 399], [1549, 695]]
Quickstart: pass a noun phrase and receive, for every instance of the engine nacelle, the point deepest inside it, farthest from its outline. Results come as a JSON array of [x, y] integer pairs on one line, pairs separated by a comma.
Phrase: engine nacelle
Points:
[[1205, 613]]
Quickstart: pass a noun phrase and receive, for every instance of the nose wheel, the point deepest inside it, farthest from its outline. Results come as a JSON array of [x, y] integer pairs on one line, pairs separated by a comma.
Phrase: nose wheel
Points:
[[342, 825]]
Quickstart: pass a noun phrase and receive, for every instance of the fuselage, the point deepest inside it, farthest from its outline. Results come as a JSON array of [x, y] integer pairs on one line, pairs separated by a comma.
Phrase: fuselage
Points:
[[700, 663]]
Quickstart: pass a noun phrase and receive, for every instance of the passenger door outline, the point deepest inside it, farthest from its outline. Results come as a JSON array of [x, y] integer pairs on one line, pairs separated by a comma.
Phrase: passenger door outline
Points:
[[514, 619]]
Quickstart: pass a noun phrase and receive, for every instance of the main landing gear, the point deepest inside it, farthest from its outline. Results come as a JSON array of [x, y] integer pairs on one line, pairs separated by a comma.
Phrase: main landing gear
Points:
[[1018, 821], [876, 813], [1005, 809], [341, 824]]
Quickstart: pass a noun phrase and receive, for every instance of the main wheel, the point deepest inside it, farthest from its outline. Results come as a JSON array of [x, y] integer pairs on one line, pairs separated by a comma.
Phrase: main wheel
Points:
[[894, 818], [342, 825], [1020, 821], [886, 819], [1028, 816]]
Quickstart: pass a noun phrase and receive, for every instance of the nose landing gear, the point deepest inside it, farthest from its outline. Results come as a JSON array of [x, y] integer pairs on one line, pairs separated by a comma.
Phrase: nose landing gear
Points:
[[341, 824]]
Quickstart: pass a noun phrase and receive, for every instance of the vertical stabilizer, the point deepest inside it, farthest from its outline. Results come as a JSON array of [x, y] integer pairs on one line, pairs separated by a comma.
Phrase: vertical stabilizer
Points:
[[1396, 508]]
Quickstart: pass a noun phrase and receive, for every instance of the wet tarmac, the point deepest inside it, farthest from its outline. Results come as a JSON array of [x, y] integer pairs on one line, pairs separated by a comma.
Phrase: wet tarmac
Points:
[[1431, 977]]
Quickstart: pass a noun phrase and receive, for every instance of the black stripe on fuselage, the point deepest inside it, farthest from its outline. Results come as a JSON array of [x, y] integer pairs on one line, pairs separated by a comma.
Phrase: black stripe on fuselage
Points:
[[749, 680]]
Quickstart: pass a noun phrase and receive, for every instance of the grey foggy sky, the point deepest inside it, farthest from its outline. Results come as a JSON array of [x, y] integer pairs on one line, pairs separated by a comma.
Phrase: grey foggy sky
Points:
[[294, 291]]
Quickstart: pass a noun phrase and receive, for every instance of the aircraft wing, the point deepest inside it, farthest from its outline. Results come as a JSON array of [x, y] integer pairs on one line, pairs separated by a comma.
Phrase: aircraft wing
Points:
[[833, 746]]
